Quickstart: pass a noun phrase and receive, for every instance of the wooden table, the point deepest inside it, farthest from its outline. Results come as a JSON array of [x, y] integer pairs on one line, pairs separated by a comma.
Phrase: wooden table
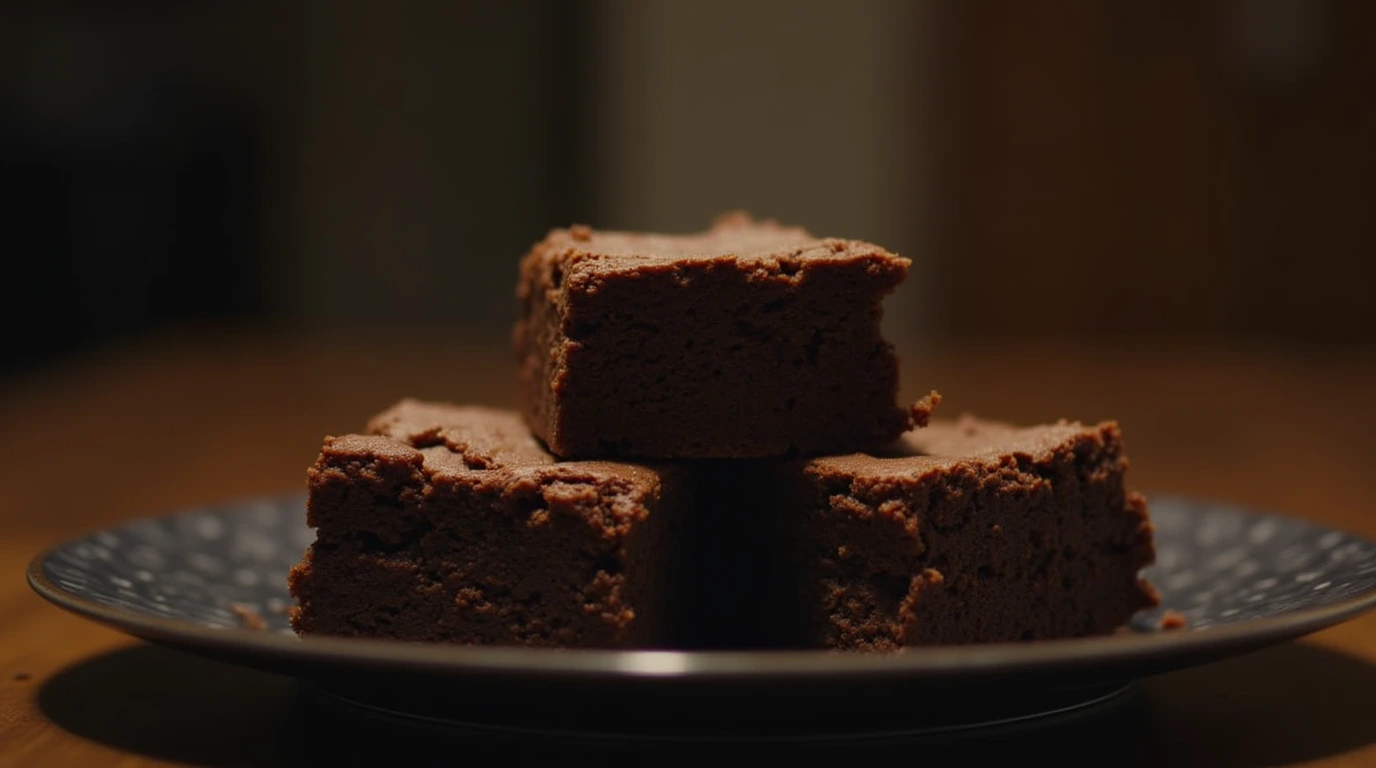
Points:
[[169, 422]]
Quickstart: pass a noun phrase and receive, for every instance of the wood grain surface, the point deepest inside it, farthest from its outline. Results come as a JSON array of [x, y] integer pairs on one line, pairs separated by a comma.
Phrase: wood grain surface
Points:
[[150, 427]]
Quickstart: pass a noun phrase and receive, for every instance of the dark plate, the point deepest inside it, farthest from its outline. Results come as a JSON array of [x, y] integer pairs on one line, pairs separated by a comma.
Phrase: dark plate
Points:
[[1242, 579]]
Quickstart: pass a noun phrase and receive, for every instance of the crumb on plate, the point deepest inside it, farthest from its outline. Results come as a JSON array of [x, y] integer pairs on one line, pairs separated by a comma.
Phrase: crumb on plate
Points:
[[248, 617], [1173, 620]]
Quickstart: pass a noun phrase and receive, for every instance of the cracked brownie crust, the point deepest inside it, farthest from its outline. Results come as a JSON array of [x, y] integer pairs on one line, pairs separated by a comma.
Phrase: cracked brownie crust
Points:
[[452, 524], [964, 532], [749, 340]]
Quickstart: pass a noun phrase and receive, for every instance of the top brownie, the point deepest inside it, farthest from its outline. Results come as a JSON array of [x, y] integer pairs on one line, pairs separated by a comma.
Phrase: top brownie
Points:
[[749, 340]]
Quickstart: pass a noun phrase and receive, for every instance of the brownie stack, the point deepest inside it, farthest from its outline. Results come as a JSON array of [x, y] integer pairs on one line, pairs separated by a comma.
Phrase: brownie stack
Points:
[[710, 453]]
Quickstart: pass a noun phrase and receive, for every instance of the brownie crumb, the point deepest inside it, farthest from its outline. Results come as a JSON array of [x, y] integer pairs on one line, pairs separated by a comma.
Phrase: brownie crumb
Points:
[[580, 232], [737, 218], [248, 617], [20, 675], [1173, 620], [921, 411]]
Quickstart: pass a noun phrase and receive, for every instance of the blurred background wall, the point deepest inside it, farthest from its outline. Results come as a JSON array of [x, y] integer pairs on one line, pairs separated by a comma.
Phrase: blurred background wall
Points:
[[1077, 170]]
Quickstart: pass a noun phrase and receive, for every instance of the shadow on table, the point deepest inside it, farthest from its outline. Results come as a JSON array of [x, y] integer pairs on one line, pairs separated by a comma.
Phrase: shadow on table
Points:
[[165, 704], [171, 705]]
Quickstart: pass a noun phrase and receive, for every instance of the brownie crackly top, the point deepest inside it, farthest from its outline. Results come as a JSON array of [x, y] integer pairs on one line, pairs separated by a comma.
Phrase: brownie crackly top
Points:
[[461, 440], [759, 244], [487, 448], [968, 440]]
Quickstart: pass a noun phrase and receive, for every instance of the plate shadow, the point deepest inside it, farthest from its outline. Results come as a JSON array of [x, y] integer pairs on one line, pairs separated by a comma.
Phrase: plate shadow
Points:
[[1312, 702]]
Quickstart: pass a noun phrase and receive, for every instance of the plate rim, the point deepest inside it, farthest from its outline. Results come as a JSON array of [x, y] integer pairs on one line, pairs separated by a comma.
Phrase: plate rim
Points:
[[742, 665]]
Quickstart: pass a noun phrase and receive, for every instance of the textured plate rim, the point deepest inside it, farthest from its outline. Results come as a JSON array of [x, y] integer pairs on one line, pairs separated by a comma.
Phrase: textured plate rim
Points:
[[953, 661]]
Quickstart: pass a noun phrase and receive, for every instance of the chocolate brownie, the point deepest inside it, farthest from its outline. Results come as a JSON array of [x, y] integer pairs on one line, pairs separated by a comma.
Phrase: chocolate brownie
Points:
[[963, 532], [453, 524], [748, 340]]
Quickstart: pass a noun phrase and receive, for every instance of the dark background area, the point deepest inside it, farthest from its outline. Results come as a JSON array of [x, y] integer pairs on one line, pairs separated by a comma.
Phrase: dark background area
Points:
[[1101, 172]]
